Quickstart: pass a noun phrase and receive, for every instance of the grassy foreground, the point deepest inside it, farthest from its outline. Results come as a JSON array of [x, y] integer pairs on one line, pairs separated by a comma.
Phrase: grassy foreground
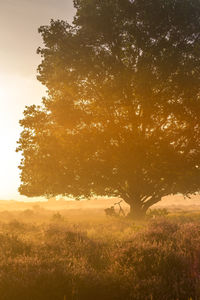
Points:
[[58, 258]]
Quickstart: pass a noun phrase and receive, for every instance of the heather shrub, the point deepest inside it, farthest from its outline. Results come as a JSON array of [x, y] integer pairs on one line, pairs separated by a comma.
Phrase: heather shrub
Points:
[[112, 260]]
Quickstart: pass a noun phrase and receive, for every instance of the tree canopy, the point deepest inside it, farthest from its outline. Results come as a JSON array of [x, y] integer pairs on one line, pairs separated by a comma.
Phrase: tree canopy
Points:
[[122, 113]]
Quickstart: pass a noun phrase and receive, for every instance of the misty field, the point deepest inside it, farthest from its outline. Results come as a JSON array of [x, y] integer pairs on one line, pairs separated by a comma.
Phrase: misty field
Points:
[[75, 255]]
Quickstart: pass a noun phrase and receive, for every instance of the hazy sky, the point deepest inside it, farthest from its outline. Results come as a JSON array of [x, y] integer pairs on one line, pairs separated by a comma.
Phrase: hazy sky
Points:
[[19, 39]]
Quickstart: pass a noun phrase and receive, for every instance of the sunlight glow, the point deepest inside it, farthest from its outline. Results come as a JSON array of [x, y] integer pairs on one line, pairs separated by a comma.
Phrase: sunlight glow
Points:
[[15, 93], [1, 92]]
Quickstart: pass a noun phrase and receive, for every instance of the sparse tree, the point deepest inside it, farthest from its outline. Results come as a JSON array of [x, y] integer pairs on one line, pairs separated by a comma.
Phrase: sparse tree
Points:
[[122, 113]]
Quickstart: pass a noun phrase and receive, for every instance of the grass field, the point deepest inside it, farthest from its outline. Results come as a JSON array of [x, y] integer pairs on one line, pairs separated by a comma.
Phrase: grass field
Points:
[[72, 255]]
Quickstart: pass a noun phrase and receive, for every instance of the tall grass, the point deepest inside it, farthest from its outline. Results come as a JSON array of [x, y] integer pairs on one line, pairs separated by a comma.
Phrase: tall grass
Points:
[[103, 260]]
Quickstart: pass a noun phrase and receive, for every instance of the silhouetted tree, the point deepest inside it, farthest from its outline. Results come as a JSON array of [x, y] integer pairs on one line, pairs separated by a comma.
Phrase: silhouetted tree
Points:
[[122, 113]]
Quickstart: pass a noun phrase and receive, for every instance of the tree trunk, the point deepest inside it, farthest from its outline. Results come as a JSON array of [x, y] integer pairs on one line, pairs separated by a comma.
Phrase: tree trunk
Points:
[[137, 212]]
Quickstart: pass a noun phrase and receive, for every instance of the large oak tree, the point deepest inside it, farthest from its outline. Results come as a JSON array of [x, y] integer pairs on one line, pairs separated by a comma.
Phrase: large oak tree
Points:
[[122, 113]]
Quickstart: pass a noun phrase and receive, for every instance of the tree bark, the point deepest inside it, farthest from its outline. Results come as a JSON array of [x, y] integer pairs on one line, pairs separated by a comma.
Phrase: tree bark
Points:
[[137, 212], [139, 208]]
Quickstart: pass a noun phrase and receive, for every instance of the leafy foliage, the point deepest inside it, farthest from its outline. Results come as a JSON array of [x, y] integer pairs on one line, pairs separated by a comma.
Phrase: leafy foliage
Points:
[[122, 113]]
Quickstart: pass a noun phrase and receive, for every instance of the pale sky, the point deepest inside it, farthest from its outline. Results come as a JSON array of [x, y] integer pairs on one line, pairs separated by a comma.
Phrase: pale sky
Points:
[[19, 39]]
